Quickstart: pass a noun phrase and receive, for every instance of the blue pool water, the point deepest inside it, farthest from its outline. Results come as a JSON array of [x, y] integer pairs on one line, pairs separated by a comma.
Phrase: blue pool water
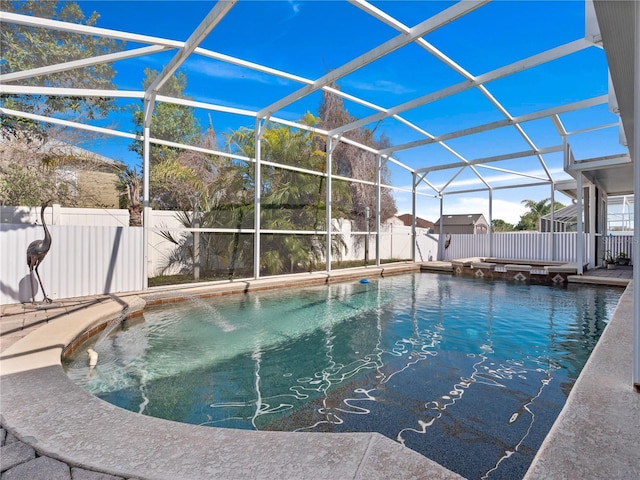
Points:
[[470, 373]]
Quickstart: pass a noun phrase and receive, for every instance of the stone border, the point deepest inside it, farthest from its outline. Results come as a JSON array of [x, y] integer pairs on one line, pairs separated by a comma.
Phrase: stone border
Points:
[[50, 414]]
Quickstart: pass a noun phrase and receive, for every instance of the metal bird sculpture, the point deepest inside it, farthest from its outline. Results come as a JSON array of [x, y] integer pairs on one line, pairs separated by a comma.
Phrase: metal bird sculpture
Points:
[[447, 241], [36, 251]]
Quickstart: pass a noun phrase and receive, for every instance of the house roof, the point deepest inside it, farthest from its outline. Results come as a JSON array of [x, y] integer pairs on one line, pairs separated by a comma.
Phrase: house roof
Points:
[[59, 149], [407, 219], [461, 219]]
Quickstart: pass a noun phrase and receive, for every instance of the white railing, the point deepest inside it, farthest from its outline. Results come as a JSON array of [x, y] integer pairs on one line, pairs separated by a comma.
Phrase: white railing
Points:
[[617, 244], [521, 245]]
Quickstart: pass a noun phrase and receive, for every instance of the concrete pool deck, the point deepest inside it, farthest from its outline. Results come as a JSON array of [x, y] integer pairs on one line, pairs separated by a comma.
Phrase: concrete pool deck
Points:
[[594, 437]]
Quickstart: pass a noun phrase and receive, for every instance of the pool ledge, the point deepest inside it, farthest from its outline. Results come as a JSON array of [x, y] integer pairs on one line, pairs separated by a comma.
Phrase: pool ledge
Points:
[[44, 409]]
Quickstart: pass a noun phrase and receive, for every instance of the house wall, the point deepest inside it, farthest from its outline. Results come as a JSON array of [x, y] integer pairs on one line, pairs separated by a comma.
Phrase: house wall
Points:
[[456, 229], [91, 188], [98, 189]]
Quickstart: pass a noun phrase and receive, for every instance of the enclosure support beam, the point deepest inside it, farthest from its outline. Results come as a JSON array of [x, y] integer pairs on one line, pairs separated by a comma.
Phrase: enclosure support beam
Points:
[[591, 226], [413, 216], [148, 106], [378, 206], [328, 241], [212, 19], [552, 243], [441, 232], [636, 199], [579, 226], [490, 222], [257, 198], [450, 14]]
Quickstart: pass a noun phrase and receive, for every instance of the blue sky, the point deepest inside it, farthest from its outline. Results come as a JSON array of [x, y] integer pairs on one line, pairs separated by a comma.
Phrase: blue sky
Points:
[[309, 38]]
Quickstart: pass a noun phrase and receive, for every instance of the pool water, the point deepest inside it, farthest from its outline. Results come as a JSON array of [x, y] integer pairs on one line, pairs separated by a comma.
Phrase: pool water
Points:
[[471, 374]]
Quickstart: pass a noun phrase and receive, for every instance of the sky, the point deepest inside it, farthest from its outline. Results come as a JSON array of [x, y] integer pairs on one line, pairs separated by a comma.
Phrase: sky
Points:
[[311, 38]]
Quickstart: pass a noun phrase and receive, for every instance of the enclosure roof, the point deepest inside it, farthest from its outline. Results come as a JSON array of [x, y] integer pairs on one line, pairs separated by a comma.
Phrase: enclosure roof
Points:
[[567, 214], [503, 102]]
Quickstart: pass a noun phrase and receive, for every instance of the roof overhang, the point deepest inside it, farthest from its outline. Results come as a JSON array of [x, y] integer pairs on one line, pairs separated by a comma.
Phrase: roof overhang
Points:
[[617, 29]]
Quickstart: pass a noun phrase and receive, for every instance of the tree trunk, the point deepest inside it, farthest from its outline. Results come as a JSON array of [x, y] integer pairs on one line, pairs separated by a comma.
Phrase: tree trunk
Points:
[[135, 215]]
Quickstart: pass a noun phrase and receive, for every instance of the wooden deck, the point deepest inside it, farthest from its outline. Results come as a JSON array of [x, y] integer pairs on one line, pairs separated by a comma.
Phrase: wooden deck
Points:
[[620, 276]]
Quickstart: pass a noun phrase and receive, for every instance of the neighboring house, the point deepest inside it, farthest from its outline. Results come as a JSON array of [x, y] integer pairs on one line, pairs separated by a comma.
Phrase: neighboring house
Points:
[[406, 219], [472, 223], [394, 221], [84, 176]]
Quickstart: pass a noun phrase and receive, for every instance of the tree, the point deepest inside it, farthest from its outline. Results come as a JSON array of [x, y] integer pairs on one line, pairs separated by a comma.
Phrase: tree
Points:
[[354, 162], [25, 47], [537, 209], [129, 183], [498, 225], [55, 171], [170, 176], [22, 186], [290, 200]]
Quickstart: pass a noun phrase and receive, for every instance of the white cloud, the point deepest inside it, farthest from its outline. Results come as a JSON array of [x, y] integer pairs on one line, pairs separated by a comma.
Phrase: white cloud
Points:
[[233, 72], [295, 6], [499, 178], [429, 209], [379, 86]]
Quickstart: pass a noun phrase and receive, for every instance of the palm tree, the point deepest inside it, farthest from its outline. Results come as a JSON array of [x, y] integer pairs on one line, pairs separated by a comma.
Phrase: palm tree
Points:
[[530, 220], [290, 200], [128, 184]]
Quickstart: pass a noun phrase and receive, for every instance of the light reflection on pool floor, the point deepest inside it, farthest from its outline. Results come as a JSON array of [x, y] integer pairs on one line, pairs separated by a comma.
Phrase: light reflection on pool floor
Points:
[[471, 374]]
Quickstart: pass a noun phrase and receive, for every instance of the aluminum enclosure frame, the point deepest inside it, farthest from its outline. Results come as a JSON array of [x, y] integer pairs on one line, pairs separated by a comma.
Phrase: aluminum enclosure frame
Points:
[[598, 170]]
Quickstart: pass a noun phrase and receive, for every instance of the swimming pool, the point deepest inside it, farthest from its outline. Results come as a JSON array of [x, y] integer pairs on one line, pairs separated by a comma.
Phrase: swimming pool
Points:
[[469, 373]]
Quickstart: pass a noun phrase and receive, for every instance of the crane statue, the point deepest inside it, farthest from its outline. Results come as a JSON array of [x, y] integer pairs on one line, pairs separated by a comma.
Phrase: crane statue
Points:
[[447, 241], [36, 251]]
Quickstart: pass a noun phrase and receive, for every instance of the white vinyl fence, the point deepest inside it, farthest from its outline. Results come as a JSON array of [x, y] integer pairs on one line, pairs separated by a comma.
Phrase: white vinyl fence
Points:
[[83, 260], [57, 215], [617, 244], [522, 245], [106, 257]]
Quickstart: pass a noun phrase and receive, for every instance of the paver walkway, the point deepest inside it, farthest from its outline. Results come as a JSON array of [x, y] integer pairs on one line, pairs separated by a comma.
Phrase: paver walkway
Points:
[[19, 461]]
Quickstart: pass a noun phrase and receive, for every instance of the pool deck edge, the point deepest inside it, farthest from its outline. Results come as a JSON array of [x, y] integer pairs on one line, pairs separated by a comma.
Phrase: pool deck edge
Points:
[[595, 435]]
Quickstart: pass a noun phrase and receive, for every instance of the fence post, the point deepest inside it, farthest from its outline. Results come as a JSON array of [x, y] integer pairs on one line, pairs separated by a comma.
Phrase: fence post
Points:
[[55, 214]]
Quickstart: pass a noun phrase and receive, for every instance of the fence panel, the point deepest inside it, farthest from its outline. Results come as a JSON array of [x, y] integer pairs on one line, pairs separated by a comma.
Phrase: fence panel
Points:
[[102, 217], [57, 215], [87, 260], [396, 242], [426, 246], [465, 245], [521, 245], [82, 261]]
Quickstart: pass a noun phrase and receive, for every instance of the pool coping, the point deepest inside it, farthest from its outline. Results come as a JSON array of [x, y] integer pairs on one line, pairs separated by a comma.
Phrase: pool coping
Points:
[[62, 421], [44, 409]]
